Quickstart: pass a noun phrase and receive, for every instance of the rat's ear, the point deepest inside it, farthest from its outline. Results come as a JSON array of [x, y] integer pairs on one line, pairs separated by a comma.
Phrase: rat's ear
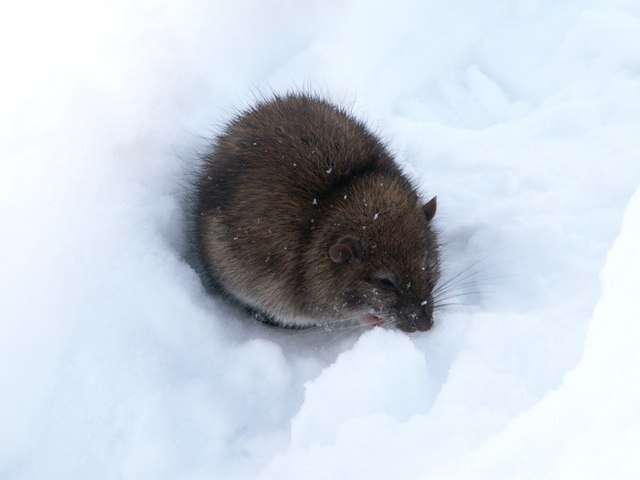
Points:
[[429, 208], [344, 249]]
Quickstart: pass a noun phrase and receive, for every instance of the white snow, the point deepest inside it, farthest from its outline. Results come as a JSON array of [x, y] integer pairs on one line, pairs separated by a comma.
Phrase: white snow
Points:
[[521, 116], [590, 426]]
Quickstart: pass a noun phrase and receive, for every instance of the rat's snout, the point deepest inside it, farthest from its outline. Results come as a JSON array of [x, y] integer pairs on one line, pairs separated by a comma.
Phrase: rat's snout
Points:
[[417, 318]]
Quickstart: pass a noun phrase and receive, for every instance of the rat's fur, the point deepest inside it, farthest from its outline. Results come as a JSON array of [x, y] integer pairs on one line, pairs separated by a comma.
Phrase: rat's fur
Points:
[[304, 217]]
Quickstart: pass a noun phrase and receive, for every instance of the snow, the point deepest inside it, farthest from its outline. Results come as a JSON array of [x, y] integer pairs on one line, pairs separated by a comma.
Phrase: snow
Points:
[[522, 117], [590, 426]]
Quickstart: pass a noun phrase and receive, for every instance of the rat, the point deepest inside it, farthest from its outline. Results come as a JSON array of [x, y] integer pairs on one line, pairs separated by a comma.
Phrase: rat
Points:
[[303, 216]]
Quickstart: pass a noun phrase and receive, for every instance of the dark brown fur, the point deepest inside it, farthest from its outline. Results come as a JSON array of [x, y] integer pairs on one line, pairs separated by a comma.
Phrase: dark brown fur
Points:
[[304, 216]]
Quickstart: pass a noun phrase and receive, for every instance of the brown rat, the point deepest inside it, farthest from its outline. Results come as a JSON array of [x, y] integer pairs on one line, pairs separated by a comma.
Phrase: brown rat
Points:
[[304, 217]]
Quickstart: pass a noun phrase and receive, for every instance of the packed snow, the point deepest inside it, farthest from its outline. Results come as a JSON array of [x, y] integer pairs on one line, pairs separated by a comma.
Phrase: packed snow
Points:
[[523, 117]]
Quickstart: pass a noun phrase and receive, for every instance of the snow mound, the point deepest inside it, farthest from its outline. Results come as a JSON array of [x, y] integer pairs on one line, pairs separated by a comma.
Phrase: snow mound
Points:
[[363, 382], [590, 426]]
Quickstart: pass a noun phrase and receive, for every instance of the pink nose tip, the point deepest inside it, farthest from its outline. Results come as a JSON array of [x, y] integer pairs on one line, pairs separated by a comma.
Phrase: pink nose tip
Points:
[[373, 320]]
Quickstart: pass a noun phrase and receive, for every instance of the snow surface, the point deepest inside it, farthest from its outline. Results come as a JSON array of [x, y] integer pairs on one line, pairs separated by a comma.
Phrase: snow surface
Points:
[[590, 426], [522, 116]]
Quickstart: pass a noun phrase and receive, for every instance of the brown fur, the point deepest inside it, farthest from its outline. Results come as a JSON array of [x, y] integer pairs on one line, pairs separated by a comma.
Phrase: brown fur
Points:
[[288, 180]]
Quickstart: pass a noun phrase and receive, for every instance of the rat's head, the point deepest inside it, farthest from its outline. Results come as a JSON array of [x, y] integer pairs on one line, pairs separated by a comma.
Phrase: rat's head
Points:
[[383, 262]]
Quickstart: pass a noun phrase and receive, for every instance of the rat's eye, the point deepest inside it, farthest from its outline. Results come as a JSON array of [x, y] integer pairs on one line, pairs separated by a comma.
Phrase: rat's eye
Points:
[[385, 281]]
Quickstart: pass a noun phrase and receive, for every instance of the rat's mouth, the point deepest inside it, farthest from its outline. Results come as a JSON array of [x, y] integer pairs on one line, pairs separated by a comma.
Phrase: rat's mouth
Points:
[[373, 320]]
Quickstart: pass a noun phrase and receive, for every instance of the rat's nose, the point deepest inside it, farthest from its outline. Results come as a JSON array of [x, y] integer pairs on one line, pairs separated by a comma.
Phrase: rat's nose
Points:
[[420, 319]]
